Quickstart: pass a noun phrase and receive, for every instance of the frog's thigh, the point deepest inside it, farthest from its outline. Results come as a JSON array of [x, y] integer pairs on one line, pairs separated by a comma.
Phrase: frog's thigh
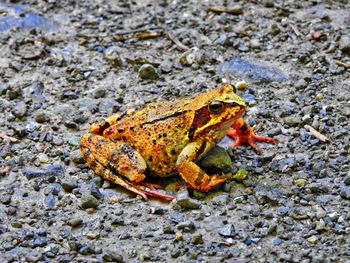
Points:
[[192, 173], [118, 156]]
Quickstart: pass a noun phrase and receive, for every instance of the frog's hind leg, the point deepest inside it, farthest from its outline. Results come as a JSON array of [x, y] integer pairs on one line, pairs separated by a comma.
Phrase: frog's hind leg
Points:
[[113, 159], [107, 174]]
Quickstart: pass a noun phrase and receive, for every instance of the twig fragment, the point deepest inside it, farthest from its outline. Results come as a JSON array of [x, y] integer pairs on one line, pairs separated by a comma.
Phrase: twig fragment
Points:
[[342, 64], [6, 137], [177, 42], [317, 134]]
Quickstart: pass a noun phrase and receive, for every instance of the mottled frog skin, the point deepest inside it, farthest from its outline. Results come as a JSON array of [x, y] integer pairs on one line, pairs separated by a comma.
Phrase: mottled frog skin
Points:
[[164, 138]]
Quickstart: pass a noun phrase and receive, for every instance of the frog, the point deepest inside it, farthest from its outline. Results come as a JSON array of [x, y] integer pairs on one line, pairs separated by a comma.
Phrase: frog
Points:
[[167, 138]]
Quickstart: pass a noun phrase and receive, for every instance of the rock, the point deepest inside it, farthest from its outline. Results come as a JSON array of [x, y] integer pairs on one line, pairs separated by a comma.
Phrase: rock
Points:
[[197, 239], [76, 157], [217, 160], [345, 193], [31, 52], [75, 222], [277, 241], [50, 202], [69, 183], [112, 255], [344, 44], [112, 56], [20, 109], [299, 182], [50, 170], [241, 85], [255, 43], [88, 201], [249, 99], [248, 70], [43, 158], [292, 121], [312, 239], [147, 71], [347, 180], [193, 56], [227, 231], [241, 175], [184, 201], [42, 117]]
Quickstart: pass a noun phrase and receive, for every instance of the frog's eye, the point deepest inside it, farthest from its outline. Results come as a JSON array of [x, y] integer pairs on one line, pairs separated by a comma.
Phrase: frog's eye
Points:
[[215, 106]]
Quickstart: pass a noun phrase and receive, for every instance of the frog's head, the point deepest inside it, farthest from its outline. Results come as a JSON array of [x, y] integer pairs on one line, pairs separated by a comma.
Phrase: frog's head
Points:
[[218, 110]]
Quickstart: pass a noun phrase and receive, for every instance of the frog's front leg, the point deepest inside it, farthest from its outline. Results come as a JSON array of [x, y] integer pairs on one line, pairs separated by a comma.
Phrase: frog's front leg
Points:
[[110, 159], [191, 173], [243, 134]]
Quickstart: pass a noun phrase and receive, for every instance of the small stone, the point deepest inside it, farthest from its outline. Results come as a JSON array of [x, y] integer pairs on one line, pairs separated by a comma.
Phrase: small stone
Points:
[[241, 85], [344, 44], [241, 175], [345, 193], [299, 182], [76, 157], [197, 239], [184, 201], [112, 56], [227, 231], [192, 56], [347, 180], [178, 236], [68, 184], [43, 158], [255, 43], [292, 121], [75, 222], [88, 201], [42, 117], [20, 109], [312, 239], [147, 71], [50, 202], [249, 98], [277, 241]]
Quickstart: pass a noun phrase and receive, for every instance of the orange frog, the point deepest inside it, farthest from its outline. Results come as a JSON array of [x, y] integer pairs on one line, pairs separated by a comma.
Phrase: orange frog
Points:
[[164, 138]]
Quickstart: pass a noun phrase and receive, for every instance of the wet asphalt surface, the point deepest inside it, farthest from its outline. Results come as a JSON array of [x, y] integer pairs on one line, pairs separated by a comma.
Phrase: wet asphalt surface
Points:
[[65, 65]]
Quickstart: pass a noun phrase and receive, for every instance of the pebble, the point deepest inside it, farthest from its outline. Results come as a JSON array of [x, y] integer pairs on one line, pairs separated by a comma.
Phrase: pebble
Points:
[[347, 180], [74, 222], [292, 121], [344, 44], [299, 182], [42, 117], [184, 201], [197, 239], [43, 158], [277, 241], [193, 56], [345, 193], [241, 85], [249, 99], [88, 201], [50, 170], [113, 57], [68, 183], [20, 109], [50, 202], [227, 231], [147, 71], [312, 239]]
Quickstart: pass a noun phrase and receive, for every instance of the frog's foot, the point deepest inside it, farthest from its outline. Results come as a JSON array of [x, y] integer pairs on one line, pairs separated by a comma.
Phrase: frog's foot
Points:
[[152, 193], [242, 133], [197, 178]]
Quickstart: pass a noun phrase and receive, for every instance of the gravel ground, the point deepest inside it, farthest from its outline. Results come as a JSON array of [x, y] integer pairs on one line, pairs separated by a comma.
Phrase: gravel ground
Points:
[[67, 64]]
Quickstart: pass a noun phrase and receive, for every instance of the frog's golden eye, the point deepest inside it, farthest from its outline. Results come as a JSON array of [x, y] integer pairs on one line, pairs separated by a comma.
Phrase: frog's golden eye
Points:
[[215, 106]]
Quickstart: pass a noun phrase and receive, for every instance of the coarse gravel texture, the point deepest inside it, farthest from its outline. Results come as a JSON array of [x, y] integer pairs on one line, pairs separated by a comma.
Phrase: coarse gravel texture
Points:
[[59, 77]]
